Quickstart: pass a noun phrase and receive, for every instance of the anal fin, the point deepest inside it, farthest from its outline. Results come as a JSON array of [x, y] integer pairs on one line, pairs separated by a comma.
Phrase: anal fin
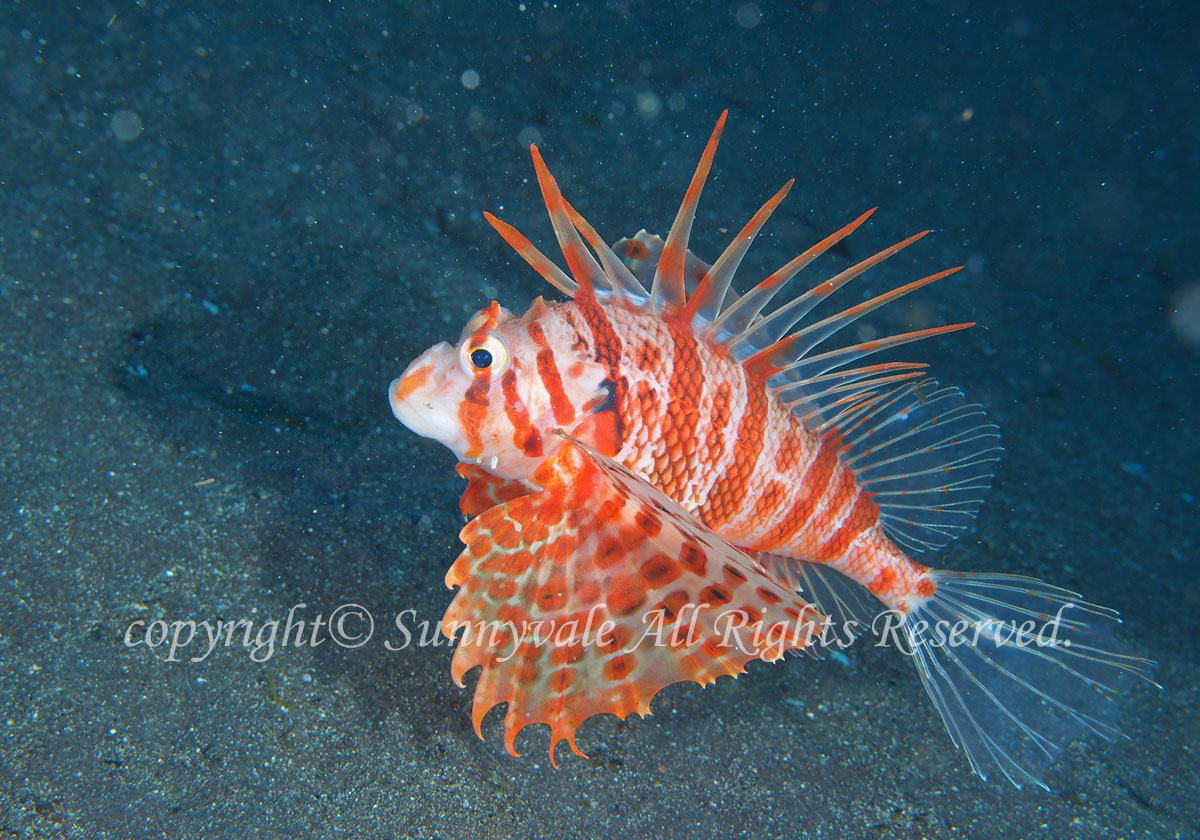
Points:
[[590, 596], [850, 608]]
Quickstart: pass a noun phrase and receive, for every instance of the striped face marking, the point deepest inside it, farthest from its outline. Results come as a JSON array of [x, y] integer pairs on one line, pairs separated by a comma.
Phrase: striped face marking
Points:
[[498, 397]]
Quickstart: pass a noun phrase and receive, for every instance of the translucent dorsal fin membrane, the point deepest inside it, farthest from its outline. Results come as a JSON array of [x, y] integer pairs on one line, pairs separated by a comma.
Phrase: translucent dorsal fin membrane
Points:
[[550, 272], [705, 303], [827, 361], [639, 253], [927, 456], [773, 327], [623, 281], [583, 266], [797, 345], [669, 285], [736, 317]]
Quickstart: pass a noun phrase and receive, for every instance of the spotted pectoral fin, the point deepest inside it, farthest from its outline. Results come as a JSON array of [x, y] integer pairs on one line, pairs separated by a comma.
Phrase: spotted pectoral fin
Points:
[[485, 490], [590, 598]]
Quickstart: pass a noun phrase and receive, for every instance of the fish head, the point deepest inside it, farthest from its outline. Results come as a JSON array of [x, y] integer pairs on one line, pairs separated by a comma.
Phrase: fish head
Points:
[[498, 396]]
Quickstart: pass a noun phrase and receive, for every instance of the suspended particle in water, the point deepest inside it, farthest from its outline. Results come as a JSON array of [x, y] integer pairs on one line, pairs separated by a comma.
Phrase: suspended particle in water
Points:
[[1184, 314], [748, 15], [649, 105], [126, 125]]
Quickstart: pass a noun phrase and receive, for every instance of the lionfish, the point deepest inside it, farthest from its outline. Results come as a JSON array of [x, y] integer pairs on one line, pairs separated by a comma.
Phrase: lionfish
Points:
[[699, 482]]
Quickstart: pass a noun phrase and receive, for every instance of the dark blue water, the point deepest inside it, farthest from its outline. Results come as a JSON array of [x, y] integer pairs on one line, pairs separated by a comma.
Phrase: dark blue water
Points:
[[223, 232]]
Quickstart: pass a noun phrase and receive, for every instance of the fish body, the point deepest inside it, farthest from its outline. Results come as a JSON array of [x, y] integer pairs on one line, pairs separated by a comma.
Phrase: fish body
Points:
[[706, 480]]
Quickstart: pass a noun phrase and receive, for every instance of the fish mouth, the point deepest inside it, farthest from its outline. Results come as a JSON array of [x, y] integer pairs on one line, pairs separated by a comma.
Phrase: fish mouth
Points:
[[426, 396], [408, 410]]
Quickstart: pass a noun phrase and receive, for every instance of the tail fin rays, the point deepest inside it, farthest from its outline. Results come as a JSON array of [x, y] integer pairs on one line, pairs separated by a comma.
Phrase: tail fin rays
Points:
[[1034, 669]]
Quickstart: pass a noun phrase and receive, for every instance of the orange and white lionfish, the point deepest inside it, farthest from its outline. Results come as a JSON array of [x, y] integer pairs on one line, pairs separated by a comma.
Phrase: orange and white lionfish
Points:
[[659, 462]]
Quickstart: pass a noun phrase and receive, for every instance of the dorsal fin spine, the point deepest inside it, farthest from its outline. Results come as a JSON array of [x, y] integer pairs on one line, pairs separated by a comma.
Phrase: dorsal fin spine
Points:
[[705, 302], [668, 287], [776, 325], [854, 389], [540, 263], [739, 315], [583, 266], [795, 346], [792, 392], [623, 281], [811, 366]]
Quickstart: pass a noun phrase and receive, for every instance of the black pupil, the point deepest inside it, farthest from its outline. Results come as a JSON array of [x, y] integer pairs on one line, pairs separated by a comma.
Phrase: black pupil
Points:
[[481, 358]]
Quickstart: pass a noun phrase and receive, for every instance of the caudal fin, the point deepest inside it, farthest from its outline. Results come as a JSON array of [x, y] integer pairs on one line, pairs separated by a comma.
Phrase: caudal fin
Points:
[[1018, 669]]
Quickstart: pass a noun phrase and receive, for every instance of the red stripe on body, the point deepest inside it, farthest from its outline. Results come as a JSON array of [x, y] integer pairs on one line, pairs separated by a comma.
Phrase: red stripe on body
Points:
[[718, 417], [473, 411], [768, 502], [607, 347], [564, 411], [812, 489], [676, 443], [645, 401], [525, 436], [727, 494], [863, 516], [608, 344], [843, 492]]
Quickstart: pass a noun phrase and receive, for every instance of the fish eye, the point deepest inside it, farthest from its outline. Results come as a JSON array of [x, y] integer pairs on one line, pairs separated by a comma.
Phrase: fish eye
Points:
[[487, 353]]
